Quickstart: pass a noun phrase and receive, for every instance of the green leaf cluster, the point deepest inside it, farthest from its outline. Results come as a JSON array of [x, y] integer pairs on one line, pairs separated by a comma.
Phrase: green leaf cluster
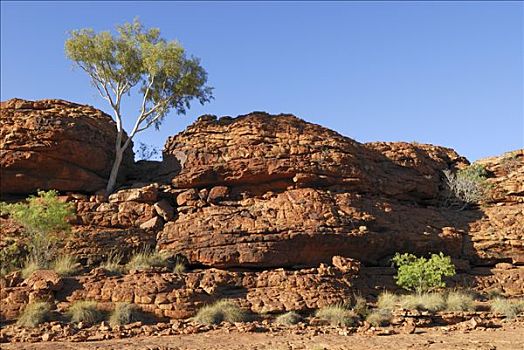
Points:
[[136, 56], [422, 274], [467, 186], [45, 220], [12, 256], [474, 172]]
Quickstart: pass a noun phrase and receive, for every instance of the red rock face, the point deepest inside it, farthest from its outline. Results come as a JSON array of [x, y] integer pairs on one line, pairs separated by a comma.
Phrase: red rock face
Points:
[[280, 151], [300, 194], [55, 144], [287, 210]]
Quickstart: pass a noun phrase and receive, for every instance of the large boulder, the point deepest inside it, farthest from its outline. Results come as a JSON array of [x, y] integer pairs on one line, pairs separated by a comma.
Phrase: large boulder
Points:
[[299, 194], [55, 144], [267, 152]]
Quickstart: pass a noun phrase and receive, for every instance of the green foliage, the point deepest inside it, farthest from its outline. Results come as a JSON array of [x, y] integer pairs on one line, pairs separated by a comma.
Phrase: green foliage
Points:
[[12, 256], [460, 301], [137, 56], [337, 315], [125, 313], [467, 186], [85, 311], [421, 274], [423, 301], [34, 313], [45, 220], [222, 310], [289, 318], [147, 259], [380, 317], [507, 307], [65, 265]]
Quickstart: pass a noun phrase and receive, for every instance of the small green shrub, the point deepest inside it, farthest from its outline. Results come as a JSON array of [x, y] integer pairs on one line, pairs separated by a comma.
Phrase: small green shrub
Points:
[[34, 314], [421, 274], [65, 265], [45, 222], [460, 301], [125, 313], [509, 308], [113, 264], [387, 301], [147, 259], [467, 186], [85, 311], [337, 315], [424, 301], [289, 318], [12, 256], [222, 310], [380, 317]]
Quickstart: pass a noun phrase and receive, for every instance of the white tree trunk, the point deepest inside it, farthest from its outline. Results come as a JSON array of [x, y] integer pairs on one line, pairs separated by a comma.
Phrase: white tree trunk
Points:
[[114, 170]]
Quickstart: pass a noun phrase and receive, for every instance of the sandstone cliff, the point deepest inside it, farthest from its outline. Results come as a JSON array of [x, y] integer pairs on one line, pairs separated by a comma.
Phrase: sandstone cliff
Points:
[[272, 211], [55, 144]]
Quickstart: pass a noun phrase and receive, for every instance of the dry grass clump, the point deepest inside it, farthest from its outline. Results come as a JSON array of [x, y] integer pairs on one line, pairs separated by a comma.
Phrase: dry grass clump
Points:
[[147, 259], [125, 313], [34, 313], [509, 308], [423, 301], [387, 301], [30, 266], [360, 307], [289, 318], [85, 311], [495, 293], [113, 264], [460, 301], [179, 268], [222, 310], [337, 315], [65, 265], [380, 317]]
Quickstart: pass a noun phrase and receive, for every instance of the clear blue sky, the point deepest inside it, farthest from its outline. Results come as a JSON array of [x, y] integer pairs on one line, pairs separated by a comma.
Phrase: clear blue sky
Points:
[[447, 73]]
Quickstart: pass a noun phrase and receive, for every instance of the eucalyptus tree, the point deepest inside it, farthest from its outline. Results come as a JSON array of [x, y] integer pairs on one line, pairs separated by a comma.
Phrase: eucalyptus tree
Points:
[[135, 57]]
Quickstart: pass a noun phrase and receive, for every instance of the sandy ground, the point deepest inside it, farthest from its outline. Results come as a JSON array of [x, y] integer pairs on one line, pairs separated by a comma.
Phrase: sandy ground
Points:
[[510, 337]]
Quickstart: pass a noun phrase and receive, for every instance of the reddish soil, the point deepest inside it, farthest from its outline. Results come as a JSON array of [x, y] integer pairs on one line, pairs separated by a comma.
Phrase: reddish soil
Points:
[[509, 337]]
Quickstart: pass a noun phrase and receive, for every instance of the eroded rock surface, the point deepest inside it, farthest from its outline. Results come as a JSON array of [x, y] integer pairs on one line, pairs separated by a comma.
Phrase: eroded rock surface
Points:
[[273, 212], [55, 144], [299, 194]]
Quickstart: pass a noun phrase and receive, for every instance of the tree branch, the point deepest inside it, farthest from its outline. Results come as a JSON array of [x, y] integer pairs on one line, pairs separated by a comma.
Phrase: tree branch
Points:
[[144, 101]]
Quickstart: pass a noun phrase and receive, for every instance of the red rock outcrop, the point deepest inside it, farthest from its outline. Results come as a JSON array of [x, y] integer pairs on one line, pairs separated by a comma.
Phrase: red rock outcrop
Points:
[[296, 194], [277, 214], [498, 235], [55, 144], [281, 151]]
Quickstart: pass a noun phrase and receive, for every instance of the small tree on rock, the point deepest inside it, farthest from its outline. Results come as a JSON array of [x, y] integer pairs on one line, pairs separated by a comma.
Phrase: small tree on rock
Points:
[[422, 274], [45, 220], [166, 77]]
